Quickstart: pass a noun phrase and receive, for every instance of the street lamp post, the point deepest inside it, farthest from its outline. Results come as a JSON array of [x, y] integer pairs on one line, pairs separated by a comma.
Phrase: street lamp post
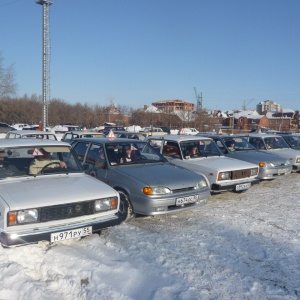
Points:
[[46, 60]]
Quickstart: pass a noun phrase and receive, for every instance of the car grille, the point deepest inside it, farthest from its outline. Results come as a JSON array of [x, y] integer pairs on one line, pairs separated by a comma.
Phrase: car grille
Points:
[[66, 211], [191, 188], [238, 174]]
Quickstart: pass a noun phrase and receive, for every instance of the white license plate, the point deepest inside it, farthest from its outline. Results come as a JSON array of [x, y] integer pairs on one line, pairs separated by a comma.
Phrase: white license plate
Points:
[[243, 186], [186, 200], [71, 234], [282, 171]]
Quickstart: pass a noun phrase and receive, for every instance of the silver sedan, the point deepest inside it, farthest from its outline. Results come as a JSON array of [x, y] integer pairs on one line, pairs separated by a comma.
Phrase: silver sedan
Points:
[[147, 183], [270, 165]]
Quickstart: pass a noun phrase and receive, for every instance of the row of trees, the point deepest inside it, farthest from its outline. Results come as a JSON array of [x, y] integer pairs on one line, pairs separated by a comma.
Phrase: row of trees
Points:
[[30, 109]]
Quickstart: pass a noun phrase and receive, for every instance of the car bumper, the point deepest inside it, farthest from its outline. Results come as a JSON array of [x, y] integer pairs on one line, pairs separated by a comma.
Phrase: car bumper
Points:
[[296, 168], [10, 239], [272, 173], [151, 206], [234, 187]]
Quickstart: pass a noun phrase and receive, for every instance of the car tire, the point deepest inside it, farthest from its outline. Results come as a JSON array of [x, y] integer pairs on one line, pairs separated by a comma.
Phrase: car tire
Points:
[[125, 209]]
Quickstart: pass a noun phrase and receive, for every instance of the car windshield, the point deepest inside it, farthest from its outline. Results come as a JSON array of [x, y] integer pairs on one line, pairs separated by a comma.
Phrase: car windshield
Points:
[[276, 142], [239, 143], [293, 140], [199, 148], [124, 153], [36, 160]]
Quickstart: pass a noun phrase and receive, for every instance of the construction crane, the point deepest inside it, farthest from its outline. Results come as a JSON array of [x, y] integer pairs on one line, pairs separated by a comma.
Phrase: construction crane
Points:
[[246, 104], [198, 100]]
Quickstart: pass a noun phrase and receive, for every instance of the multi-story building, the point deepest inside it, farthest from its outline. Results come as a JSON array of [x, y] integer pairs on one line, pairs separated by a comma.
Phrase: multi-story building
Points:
[[168, 106], [267, 106]]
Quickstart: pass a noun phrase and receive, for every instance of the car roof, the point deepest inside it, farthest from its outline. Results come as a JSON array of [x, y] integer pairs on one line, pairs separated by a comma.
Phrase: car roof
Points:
[[105, 140], [179, 138], [25, 132], [82, 132], [127, 132], [263, 135], [30, 142]]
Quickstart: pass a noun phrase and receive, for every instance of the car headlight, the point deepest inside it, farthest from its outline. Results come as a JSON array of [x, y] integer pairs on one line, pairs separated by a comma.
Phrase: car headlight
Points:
[[224, 175], [201, 184], [157, 190], [106, 204], [254, 172], [23, 217]]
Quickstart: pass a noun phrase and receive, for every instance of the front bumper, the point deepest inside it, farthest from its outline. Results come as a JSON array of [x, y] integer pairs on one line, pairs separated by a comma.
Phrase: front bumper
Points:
[[160, 205], [272, 173], [10, 239], [296, 168], [232, 187]]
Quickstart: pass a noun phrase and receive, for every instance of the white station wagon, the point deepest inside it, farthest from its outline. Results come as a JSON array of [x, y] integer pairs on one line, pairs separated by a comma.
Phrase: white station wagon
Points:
[[45, 196], [202, 155]]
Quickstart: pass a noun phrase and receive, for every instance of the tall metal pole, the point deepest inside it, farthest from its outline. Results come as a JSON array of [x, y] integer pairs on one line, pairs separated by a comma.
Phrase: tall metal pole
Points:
[[46, 60]]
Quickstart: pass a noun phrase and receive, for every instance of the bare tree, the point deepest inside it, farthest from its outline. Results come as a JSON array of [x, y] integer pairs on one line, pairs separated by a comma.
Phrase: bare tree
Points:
[[8, 86]]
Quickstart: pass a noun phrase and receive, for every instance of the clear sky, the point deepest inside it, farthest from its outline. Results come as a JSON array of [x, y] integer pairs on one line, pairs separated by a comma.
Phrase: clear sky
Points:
[[136, 52]]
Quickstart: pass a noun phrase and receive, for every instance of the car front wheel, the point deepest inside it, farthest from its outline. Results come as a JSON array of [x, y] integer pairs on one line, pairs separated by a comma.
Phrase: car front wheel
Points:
[[125, 210]]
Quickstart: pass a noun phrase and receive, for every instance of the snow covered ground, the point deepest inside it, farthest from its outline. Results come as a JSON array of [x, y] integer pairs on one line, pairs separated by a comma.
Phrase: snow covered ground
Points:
[[239, 246]]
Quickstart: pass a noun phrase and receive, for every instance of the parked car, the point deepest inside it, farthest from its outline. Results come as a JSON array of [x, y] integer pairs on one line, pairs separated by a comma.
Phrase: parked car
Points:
[[4, 128], [71, 135], [165, 129], [202, 155], [129, 135], [54, 202], [106, 129], [293, 140], [30, 134], [270, 165], [148, 184], [151, 131], [188, 131], [276, 144]]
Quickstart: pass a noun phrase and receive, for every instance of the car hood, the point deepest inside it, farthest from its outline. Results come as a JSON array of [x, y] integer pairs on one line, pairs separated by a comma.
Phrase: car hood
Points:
[[257, 156], [286, 152], [48, 190], [165, 174], [219, 163]]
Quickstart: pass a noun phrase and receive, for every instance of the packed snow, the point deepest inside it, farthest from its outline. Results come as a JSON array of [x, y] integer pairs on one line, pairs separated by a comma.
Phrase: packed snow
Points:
[[238, 246]]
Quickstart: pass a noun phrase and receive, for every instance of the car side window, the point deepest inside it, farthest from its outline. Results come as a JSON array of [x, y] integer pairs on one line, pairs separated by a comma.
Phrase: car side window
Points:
[[80, 150], [95, 155], [156, 144], [221, 146], [171, 149]]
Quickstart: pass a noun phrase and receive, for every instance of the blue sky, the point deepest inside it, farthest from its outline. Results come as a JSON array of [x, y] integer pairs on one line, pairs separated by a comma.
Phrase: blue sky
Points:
[[135, 52]]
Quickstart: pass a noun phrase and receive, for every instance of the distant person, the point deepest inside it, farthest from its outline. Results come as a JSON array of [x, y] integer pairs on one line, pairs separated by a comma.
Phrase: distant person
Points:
[[194, 152], [130, 155], [42, 159], [230, 145]]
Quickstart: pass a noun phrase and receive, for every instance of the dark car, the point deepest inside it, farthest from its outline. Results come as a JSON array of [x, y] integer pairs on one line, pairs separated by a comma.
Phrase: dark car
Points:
[[4, 128], [107, 129], [165, 129]]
